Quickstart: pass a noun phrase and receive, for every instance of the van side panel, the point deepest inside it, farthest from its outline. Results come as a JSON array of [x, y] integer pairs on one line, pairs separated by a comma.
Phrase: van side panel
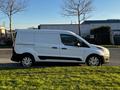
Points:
[[47, 44], [24, 42], [25, 38]]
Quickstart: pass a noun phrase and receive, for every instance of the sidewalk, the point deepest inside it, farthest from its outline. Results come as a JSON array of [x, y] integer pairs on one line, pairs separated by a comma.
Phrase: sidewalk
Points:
[[5, 48]]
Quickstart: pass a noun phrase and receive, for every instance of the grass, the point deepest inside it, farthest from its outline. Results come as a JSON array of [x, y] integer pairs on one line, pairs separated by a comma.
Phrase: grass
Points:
[[61, 78]]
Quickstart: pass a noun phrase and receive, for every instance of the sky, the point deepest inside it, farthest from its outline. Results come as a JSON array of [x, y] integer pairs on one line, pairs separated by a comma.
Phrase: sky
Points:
[[49, 12]]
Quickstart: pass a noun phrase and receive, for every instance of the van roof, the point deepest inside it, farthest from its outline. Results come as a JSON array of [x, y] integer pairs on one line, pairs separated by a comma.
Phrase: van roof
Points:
[[43, 30]]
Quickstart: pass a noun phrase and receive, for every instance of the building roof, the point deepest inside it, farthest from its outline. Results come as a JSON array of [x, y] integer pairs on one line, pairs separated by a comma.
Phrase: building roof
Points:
[[101, 21], [44, 30], [57, 24]]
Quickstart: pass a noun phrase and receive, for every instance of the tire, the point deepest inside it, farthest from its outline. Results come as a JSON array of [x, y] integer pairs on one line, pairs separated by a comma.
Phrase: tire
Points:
[[27, 61], [93, 60]]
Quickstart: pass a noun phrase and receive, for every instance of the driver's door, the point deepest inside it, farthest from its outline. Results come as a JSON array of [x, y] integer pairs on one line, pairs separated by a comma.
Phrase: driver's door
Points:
[[70, 48]]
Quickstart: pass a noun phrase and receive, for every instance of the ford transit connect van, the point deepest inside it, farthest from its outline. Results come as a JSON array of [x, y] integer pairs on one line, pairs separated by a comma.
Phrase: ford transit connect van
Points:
[[56, 46]]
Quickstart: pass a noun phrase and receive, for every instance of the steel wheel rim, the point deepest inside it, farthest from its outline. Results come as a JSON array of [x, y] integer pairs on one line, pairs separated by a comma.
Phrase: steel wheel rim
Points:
[[27, 62], [93, 61]]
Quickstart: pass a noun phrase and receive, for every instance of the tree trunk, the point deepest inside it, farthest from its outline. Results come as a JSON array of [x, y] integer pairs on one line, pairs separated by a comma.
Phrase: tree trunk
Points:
[[5, 34], [10, 26], [79, 22], [78, 11], [79, 25]]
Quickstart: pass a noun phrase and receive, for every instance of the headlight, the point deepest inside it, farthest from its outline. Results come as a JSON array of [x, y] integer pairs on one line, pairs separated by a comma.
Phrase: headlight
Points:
[[105, 51]]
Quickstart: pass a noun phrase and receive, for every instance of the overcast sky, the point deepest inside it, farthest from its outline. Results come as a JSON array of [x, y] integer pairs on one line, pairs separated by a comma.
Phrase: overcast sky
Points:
[[49, 12]]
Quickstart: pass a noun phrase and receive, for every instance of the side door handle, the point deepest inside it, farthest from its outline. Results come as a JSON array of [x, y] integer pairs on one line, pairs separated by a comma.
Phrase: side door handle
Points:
[[64, 48], [54, 48]]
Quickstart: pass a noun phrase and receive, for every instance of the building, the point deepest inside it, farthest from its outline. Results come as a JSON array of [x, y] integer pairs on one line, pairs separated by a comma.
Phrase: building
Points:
[[71, 27], [86, 26], [113, 24]]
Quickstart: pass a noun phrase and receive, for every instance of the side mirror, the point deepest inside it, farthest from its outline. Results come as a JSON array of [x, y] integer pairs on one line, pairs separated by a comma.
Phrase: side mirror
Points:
[[78, 44]]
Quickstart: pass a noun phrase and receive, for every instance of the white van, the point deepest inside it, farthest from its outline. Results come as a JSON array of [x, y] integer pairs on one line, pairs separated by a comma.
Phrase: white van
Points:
[[56, 46]]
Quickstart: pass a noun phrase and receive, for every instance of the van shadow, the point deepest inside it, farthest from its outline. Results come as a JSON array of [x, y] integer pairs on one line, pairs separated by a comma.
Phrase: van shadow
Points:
[[5, 66]]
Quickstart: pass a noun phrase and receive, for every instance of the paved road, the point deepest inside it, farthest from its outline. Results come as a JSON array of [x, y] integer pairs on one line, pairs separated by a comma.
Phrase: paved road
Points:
[[115, 56], [5, 55]]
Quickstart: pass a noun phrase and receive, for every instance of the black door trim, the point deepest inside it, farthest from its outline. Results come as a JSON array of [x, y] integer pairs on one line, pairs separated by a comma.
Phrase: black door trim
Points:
[[59, 58]]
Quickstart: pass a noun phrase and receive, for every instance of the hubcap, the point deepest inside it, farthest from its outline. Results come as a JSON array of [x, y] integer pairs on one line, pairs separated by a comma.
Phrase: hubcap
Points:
[[26, 62], [93, 61]]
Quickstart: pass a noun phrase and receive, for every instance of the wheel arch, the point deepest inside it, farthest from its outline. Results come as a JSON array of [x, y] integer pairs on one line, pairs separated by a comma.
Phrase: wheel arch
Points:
[[28, 54], [101, 57]]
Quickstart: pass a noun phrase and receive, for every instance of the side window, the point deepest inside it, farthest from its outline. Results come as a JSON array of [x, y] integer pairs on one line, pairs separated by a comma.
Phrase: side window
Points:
[[69, 40]]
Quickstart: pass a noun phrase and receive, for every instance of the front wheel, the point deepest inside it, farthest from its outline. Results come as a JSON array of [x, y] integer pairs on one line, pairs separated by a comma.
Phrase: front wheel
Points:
[[93, 61], [27, 61]]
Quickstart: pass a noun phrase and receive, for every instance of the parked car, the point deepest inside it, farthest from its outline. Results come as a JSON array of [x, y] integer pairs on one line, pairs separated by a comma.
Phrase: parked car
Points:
[[32, 46]]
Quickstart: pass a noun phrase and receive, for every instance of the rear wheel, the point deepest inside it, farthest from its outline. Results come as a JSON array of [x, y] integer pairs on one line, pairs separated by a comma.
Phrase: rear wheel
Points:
[[27, 61], [93, 60]]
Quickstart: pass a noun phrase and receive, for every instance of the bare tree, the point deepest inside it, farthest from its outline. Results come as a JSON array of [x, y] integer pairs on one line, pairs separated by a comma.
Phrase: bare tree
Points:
[[0, 2], [11, 7], [79, 8]]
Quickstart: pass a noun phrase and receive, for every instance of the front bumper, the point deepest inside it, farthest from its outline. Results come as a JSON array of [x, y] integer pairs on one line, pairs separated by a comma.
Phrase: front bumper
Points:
[[106, 59], [106, 56]]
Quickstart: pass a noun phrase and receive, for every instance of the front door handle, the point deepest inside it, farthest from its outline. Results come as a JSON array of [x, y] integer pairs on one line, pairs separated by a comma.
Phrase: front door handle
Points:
[[54, 48], [64, 48]]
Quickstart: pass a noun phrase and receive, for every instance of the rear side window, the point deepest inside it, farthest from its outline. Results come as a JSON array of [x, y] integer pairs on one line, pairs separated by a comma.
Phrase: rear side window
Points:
[[69, 40]]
